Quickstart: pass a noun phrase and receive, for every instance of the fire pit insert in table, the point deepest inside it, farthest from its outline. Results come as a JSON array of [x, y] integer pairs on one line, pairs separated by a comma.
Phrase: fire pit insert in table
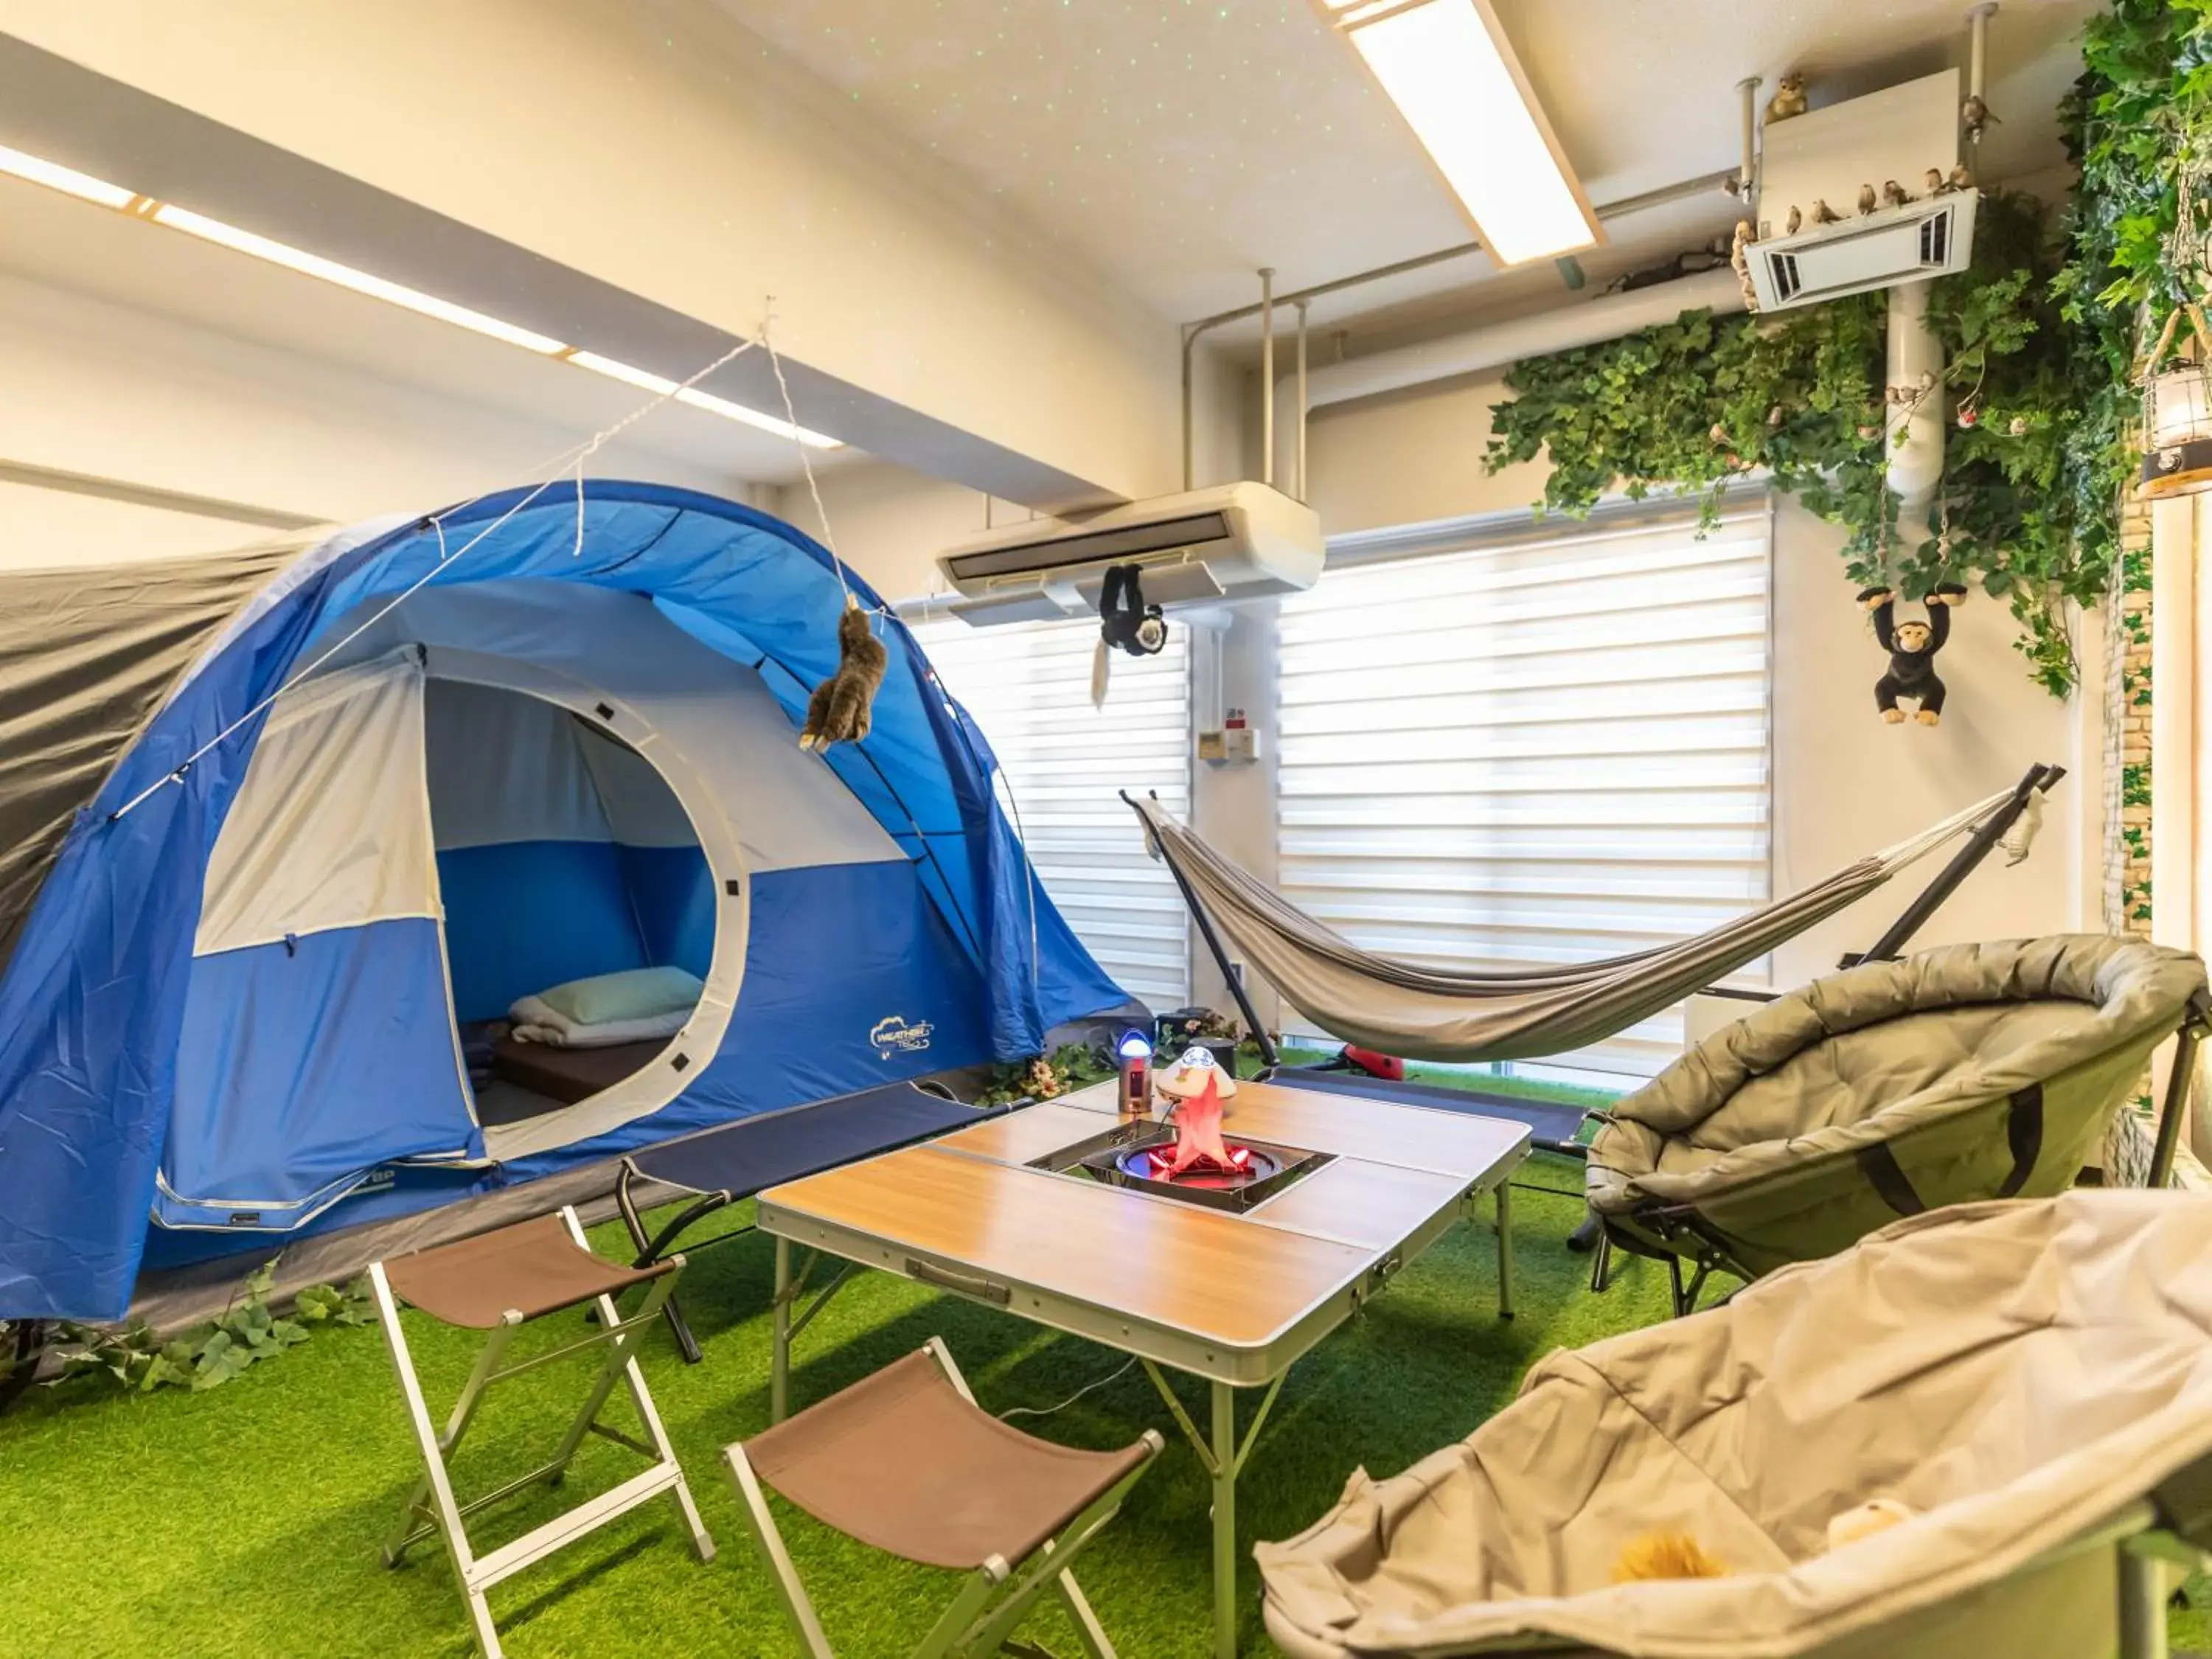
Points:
[[1135, 1155]]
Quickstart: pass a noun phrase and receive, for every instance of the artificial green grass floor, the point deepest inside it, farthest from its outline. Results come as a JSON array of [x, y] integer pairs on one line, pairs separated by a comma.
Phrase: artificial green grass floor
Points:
[[246, 1521]]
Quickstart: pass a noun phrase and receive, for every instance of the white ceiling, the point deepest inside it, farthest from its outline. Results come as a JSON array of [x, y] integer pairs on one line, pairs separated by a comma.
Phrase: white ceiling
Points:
[[1179, 144], [57, 240]]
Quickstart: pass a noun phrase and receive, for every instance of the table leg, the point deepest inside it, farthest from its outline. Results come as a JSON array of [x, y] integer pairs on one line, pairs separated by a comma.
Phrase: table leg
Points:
[[1225, 1521], [1504, 1249], [779, 1371]]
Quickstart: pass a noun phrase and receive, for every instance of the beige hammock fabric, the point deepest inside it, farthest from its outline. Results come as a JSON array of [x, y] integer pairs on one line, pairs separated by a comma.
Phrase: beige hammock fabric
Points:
[[2019, 1373], [1435, 1013]]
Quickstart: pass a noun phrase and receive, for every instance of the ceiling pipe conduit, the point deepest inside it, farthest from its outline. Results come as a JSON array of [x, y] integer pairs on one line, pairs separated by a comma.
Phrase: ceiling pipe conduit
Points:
[[1607, 318], [1704, 184]]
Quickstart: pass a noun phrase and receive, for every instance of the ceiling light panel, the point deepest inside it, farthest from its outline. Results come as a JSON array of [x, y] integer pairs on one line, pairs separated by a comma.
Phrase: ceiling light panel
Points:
[[1448, 68], [630, 374], [330, 271], [55, 176]]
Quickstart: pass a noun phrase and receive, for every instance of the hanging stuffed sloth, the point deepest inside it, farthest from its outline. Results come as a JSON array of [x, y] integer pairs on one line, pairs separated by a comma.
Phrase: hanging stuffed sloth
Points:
[[1912, 646], [838, 711]]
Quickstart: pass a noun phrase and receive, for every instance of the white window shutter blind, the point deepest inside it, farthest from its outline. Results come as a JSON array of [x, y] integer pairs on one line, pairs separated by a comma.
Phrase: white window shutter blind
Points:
[[1533, 753], [1062, 762]]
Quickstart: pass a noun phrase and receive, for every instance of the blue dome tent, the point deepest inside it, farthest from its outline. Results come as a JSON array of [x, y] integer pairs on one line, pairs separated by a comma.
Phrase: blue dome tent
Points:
[[236, 1001]]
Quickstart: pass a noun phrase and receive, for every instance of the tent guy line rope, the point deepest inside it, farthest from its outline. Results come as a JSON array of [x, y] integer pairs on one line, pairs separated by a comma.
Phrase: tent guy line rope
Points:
[[806, 463], [558, 467], [882, 611]]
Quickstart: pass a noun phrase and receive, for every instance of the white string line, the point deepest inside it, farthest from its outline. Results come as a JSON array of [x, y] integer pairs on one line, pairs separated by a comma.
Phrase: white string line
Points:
[[556, 469], [837, 564], [806, 460], [1087, 1387]]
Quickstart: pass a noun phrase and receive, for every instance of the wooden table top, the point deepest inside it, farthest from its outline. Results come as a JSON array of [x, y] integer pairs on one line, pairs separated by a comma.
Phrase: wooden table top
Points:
[[969, 1200]]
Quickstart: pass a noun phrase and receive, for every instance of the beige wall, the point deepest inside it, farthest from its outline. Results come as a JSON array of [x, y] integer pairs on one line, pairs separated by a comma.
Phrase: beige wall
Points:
[[596, 133]]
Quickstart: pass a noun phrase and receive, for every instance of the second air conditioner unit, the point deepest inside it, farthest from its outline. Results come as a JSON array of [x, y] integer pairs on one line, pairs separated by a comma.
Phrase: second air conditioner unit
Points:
[[1236, 541]]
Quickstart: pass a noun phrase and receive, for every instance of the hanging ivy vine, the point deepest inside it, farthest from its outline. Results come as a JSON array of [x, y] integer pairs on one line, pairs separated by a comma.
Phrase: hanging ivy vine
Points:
[[2041, 336], [1692, 405]]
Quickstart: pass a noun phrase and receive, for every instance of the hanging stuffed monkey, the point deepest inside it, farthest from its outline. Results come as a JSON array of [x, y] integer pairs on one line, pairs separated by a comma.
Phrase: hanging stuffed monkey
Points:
[[1912, 646], [838, 710], [1125, 622]]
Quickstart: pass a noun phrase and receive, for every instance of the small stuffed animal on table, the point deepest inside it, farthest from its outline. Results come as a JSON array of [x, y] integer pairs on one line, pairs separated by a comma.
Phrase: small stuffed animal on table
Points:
[[1912, 646], [838, 711]]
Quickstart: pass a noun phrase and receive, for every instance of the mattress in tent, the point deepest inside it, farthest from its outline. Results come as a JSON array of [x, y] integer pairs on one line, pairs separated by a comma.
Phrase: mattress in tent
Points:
[[570, 1075]]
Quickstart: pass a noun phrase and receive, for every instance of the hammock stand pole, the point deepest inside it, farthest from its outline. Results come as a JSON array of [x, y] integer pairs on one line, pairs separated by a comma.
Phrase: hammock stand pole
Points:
[[2036, 780], [1230, 976]]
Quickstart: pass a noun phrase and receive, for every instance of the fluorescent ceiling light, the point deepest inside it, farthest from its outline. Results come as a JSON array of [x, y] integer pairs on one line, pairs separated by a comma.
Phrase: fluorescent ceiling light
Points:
[[330, 271], [1448, 67], [646, 381], [56, 177]]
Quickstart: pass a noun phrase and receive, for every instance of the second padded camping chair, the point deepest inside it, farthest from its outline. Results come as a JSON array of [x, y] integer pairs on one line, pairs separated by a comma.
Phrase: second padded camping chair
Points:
[[2032, 1381], [498, 1282], [1968, 1071], [905, 1460]]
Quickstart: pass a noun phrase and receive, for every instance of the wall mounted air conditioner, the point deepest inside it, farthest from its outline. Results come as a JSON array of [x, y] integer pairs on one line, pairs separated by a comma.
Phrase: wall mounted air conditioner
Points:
[[1237, 541], [1897, 136]]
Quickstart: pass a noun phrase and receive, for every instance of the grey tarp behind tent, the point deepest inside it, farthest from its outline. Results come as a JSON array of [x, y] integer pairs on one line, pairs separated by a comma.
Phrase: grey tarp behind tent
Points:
[[1425, 1012], [86, 655], [2021, 1373]]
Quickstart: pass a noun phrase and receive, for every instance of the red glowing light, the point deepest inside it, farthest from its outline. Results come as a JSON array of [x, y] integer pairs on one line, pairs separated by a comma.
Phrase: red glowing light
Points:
[[1198, 1148]]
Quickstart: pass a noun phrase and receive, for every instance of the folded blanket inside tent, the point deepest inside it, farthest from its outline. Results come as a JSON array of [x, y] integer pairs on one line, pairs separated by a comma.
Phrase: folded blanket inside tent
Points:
[[607, 1010]]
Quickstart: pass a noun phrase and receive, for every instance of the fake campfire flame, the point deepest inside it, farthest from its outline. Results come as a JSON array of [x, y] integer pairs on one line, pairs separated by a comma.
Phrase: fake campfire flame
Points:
[[1198, 1148]]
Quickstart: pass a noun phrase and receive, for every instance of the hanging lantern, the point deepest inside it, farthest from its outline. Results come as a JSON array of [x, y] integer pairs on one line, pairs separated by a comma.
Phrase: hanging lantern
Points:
[[2177, 412], [2177, 430]]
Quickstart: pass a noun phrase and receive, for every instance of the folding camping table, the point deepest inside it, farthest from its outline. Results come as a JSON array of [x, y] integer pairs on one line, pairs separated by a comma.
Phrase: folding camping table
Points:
[[1234, 1298]]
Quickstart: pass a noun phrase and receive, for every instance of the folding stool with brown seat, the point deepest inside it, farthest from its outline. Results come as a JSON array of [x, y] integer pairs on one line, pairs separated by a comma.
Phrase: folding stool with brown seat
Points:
[[499, 1282], [906, 1461]]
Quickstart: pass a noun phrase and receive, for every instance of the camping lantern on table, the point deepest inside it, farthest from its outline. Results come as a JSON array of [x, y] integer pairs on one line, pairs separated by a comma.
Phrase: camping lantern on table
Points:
[[1135, 1055]]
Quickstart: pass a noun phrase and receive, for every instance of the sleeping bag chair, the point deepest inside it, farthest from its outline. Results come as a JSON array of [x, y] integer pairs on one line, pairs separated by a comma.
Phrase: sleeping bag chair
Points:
[[2031, 1381], [1965, 1073]]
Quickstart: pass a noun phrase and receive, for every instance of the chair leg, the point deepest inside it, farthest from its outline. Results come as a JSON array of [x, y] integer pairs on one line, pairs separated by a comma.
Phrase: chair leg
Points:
[[643, 1244], [753, 1506], [456, 1425], [445, 1513], [1504, 1193], [1602, 1263], [1088, 1631], [622, 1362], [945, 1636]]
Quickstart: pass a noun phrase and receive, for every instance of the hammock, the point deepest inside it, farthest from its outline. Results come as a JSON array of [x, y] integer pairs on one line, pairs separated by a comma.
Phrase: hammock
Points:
[[1420, 1013]]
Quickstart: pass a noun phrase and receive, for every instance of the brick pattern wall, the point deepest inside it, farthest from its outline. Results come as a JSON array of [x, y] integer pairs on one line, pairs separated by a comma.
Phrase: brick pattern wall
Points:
[[2127, 732], [2127, 819]]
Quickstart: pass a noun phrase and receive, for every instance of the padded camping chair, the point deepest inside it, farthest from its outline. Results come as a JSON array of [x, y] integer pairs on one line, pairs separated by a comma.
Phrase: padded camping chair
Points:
[[2031, 1381], [498, 1282], [906, 1461], [1966, 1073]]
